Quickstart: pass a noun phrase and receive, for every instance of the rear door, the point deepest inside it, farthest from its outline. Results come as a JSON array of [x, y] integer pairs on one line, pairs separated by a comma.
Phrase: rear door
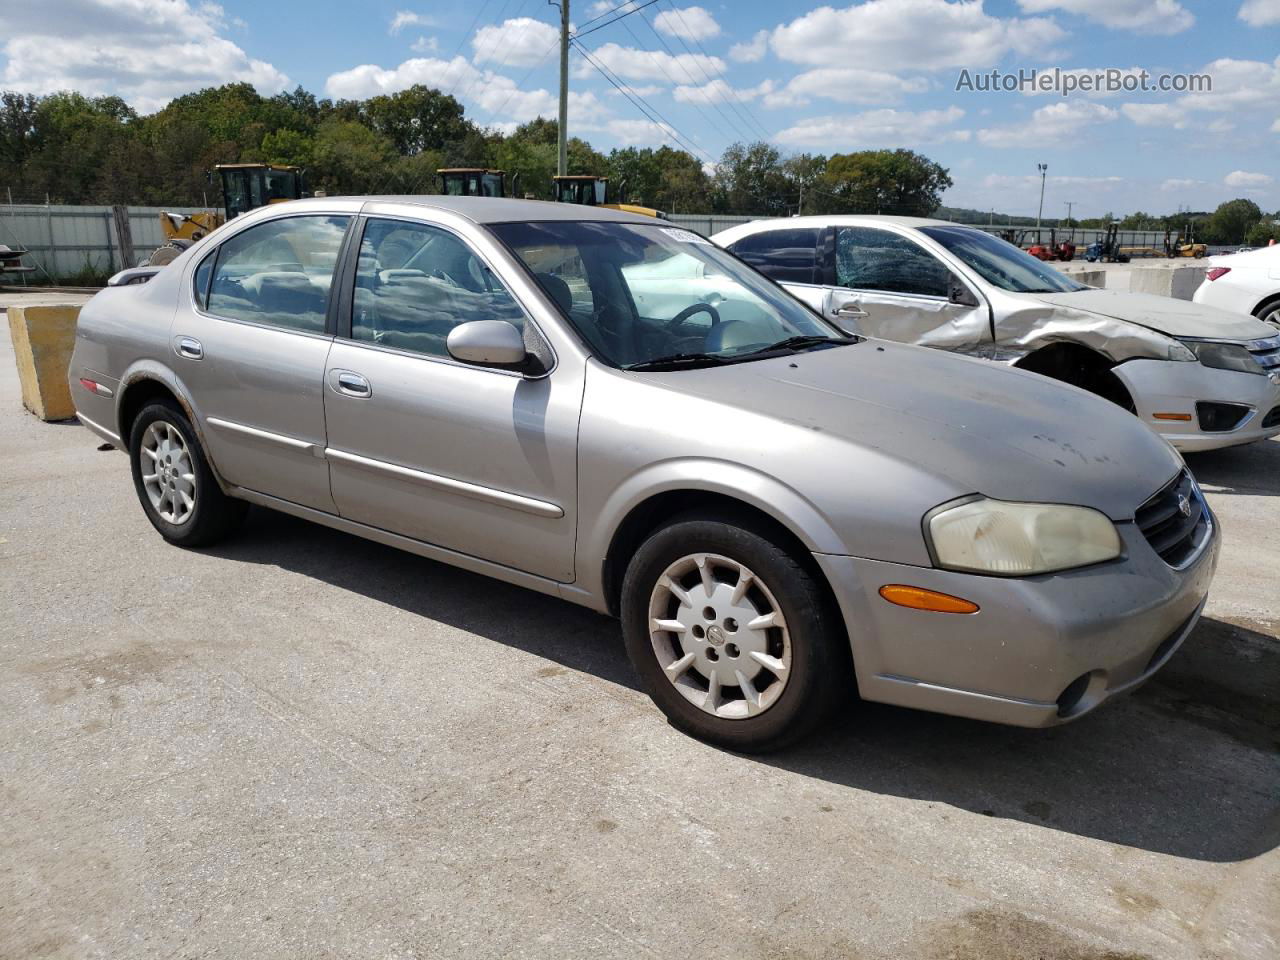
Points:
[[788, 255], [889, 286], [478, 460], [250, 348]]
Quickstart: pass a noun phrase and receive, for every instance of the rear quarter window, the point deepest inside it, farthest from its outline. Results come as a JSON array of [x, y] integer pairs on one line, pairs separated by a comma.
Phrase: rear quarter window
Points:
[[786, 255]]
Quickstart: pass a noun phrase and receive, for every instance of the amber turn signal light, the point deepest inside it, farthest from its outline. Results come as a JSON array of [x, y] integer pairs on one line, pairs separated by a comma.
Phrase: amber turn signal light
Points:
[[918, 598], [1171, 416]]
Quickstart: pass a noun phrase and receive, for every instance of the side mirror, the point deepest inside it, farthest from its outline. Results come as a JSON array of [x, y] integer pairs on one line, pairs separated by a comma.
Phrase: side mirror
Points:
[[959, 294], [492, 343]]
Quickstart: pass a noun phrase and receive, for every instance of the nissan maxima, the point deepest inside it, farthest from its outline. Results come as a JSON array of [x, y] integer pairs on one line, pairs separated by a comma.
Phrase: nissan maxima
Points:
[[783, 515]]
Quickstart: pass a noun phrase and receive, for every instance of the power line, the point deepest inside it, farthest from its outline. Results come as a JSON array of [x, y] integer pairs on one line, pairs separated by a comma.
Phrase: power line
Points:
[[644, 107], [494, 41], [463, 39], [625, 13], [733, 92]]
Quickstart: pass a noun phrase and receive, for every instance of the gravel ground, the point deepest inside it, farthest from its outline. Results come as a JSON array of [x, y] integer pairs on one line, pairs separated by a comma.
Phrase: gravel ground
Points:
[[301, 744]]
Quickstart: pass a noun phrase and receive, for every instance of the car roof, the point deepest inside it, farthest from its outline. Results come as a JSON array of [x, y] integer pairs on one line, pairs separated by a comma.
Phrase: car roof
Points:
[[839, 219], [498, 209]]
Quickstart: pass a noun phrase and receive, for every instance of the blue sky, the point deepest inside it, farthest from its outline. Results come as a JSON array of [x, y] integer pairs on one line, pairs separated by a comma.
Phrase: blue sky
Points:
[[806, 76]]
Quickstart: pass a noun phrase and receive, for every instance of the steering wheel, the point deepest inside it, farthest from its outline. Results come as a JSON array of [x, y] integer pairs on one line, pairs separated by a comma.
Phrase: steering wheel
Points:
[[689, 311]]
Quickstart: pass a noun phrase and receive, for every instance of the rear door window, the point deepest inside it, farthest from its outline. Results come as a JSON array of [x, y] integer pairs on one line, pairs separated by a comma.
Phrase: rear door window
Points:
[[868, 258], [278, 273], [787, 255]]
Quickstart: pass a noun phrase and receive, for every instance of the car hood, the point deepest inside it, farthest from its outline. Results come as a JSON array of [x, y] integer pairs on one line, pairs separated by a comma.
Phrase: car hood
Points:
[[1176, 318], [976, 426]]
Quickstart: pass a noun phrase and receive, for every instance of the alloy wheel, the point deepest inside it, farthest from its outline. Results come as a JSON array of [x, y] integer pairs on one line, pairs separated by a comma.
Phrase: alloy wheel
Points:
[[719, 635], [168, 473]]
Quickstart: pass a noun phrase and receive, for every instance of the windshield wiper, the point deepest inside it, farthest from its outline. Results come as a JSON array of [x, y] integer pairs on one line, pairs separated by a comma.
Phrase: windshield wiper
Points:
[[797, 343], [674, 361]]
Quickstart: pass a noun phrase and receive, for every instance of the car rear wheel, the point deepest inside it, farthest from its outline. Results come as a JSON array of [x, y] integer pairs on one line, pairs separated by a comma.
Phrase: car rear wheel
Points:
[[175, 486], [731, 636]]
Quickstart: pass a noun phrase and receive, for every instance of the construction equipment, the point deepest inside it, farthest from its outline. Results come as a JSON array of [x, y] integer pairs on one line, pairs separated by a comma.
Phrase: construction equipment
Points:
[[1185, 245], [1107, 250], [245, 187], [1053, 250], [590, 190], [474, 182]]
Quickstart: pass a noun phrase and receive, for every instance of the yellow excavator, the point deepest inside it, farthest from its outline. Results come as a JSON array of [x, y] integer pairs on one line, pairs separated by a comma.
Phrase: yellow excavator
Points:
[[245, 187], [592, 191]]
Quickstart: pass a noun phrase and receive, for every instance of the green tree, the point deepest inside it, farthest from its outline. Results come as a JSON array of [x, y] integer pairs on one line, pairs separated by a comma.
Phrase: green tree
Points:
[[350, 159], [419, 118], [1231, 222], [1261, 234], [900, 182], [749, 179]]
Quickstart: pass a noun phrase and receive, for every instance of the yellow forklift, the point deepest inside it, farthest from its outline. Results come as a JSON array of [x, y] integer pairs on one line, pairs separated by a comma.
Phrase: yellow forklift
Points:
[[245, 187], [590, 190]]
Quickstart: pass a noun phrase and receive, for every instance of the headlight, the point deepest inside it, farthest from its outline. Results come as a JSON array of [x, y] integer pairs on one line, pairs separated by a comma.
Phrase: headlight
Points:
[[1019, 539], [1224, 356]]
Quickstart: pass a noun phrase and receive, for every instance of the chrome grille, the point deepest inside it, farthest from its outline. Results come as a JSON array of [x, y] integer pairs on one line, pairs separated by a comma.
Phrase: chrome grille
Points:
[[1173, 534], [1266, 352]]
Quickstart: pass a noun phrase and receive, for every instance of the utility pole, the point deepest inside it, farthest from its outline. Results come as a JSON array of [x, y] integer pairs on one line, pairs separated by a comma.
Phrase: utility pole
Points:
[[1070, 204], [1044, 169], [562, 158]]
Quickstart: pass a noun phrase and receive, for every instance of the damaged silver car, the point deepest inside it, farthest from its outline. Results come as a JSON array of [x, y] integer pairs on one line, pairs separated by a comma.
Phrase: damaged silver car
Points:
[[1202, 378]]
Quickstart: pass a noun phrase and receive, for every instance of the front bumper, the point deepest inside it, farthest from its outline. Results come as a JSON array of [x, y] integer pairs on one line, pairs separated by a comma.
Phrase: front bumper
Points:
[[1040, 651], [1171, 387]]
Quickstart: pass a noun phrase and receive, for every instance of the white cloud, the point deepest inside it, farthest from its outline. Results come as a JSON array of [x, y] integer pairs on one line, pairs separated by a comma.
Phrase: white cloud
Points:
[[145, 51], [753, 50], [1260, 13], [876, 128], [491, 92], [719, 91], [1237, 85], [425, 45], [407, 18], [845, 85], [929, 34], [1057, 123], [1180, 185], [689, 23], [640, 90], [1244, 180], [631, 132], [1157, 17], [1156, 115], [1275, 127], [653, 66], [522, 42]]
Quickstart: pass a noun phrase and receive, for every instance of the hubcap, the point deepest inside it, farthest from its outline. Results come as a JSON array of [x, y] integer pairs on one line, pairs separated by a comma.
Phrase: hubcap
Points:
[[720, 636], [168, 475], [1272, 316]]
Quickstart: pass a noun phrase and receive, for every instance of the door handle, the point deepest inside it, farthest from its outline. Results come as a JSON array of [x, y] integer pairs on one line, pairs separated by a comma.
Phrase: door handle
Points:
[[188, 347], [851, 310], [353, 385]]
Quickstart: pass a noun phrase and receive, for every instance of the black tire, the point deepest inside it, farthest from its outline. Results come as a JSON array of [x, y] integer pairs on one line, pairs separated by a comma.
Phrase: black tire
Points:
[[214, 515], [821, 669]]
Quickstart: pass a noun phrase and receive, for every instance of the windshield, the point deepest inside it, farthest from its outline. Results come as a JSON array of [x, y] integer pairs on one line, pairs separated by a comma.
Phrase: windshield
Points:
[[642, 294], [1001, 263]]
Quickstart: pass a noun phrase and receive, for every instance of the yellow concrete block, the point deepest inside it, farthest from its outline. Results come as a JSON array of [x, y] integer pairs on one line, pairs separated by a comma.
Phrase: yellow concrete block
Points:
[[42, 341]]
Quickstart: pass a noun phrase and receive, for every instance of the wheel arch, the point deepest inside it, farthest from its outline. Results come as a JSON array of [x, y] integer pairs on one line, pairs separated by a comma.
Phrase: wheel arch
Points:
[[1080, 366], [714, 490], [1268, 301], [146, 381]]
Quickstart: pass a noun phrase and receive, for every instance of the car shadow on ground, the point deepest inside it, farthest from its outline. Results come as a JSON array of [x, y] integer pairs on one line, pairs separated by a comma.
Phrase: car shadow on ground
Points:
[[1250, 469], [1188, 766]]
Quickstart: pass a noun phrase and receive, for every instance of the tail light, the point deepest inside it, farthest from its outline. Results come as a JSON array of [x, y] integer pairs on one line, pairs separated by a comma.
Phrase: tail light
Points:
[[1217, 272]]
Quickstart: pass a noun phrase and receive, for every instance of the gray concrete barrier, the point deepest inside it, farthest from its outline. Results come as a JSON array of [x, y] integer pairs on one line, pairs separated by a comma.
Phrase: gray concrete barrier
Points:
[[1179, 282]]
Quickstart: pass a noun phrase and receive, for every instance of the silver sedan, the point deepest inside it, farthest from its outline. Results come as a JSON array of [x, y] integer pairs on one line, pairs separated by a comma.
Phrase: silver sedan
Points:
[[782, 515]]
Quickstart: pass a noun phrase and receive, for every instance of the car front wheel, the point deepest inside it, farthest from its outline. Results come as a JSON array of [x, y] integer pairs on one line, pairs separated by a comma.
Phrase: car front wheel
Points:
[[731, 635]]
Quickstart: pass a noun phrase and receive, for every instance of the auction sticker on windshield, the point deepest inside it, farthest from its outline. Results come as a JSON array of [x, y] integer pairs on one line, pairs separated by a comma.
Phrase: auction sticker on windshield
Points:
[[684, 236]]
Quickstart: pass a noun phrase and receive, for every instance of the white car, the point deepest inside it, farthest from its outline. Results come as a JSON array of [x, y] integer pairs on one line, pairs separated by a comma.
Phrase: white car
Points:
[[1202, 378], [1245, 283]]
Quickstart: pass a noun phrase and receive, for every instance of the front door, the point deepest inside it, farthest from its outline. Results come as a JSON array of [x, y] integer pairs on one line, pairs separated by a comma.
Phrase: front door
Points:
[[250, 349], [886, 285], [477, 460]]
